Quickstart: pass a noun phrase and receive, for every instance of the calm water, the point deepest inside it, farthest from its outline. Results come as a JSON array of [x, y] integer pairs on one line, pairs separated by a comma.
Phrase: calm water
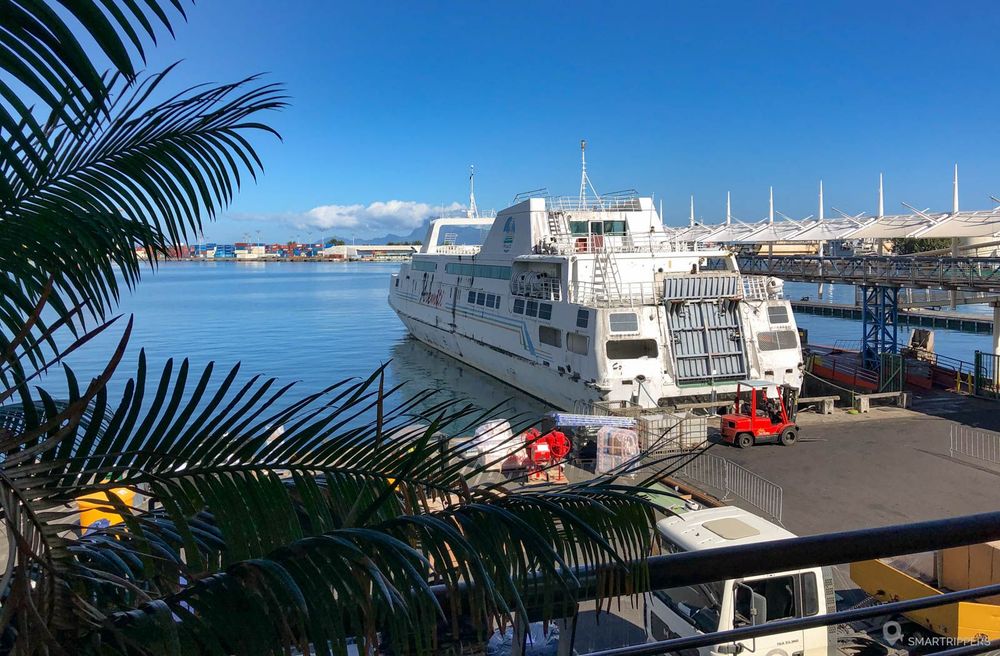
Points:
[[309, 323], [318, 323]]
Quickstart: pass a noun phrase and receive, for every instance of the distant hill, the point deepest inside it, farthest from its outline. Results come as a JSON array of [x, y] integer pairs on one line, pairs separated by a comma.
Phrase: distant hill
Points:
[[465, 236], [417, 234]]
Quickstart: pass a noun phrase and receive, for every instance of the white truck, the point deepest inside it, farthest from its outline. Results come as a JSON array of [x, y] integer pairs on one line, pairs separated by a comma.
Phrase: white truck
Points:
[[754, 600]]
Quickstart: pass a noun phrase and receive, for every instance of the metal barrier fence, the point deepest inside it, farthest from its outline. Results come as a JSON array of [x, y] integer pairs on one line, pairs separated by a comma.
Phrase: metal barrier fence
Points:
[[729, 480], [975, 443]]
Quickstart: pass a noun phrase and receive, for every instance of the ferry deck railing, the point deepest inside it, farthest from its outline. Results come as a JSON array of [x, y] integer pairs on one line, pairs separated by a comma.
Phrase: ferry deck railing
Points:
[[737, 562], [548, 289], [622, 294], [456, 249], [625, 200], [633, 294], [655, 242]]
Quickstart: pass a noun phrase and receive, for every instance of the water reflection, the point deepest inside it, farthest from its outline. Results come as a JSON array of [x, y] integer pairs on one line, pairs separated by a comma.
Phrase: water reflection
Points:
[[418, 367]]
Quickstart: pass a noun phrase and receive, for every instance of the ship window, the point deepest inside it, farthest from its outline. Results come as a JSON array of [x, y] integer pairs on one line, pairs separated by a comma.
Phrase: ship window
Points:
[[777, 314], [424, 265], [545, 311], [478, 270], [481, 298], [578, 343], [496, 302], [549, 335], [631, 349], [582, 318], [472, 297], [491, 300], [518, 306], [614, 228], [624, 322], [777, 340], [532, 309], [578, 227]]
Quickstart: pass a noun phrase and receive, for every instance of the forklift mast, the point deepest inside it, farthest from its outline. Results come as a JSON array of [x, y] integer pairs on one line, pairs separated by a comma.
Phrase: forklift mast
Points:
[[789, 398]]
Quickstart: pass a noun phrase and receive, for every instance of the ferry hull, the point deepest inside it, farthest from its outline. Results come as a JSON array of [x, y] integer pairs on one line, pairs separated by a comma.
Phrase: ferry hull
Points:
[[536, 380]]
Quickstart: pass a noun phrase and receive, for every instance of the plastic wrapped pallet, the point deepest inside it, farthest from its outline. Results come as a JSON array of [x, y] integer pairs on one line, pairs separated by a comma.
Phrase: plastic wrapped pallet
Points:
[[615, 447], [669, 432], [495, 442]]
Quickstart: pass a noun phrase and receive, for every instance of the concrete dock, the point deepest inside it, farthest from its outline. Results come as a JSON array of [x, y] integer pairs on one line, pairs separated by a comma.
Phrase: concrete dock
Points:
[[888, 466], [923, 317]]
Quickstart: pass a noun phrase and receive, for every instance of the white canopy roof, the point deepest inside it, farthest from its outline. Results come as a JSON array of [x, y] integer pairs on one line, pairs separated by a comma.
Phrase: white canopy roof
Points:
[[966, 224], [983, 223]]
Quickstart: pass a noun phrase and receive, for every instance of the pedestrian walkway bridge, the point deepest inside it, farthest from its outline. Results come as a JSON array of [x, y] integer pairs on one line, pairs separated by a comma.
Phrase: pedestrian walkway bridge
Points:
[[970, 274], [879, 279]]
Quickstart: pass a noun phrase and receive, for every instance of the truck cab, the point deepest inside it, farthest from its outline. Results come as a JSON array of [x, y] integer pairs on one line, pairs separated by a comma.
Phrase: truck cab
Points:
[[724, 605]]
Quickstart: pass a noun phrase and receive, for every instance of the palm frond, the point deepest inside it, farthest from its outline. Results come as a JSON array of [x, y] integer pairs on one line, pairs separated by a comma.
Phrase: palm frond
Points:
[[338, 505], [41, 57], [141, 175]]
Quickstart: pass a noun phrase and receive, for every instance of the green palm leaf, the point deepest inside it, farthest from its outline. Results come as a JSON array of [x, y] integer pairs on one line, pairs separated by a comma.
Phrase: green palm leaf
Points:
[[345, 524], [324, 501]]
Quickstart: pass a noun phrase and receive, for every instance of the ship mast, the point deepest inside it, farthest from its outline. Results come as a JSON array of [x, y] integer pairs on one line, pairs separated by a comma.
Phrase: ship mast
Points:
[[584, 178], [473, 211]]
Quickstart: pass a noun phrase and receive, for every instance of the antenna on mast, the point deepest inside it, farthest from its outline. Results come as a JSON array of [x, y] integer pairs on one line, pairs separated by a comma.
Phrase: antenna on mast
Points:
[[473, 211], [691, 220], [729, 210], [770, 211], [954, 193]]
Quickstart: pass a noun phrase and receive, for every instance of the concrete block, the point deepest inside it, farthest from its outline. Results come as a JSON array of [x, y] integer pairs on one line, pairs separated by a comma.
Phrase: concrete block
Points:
[[904, 400], [826, 407], [862, 403]]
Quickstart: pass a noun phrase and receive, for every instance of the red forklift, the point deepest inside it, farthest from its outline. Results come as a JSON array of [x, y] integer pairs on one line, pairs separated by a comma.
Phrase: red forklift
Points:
[[763, 412]]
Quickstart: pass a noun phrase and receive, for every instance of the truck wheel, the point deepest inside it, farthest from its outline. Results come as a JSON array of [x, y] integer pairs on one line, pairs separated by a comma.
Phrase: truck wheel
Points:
[[789, 437], [744, 440]]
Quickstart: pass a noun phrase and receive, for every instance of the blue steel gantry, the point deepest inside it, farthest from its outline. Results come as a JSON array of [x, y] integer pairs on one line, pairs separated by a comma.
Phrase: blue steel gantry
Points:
[[879, 320]]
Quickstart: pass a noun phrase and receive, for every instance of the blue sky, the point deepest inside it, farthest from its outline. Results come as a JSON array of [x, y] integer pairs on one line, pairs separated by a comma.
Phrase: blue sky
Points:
[[391, 101]]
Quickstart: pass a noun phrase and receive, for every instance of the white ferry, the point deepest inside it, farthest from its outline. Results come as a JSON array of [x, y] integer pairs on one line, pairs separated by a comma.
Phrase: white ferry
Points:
[[584, 299]]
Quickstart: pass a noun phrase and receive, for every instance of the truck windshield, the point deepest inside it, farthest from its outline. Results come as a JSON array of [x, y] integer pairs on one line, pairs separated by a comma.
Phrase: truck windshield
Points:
[[697, 605]]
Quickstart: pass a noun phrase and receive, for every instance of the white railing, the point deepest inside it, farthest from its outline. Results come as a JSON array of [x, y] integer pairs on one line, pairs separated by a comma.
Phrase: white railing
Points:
[[623, 294], [546, 289], [755, 289], [656, 242], [457, 249], [974, 443], [627, 201], [728, 480], [631, 294]]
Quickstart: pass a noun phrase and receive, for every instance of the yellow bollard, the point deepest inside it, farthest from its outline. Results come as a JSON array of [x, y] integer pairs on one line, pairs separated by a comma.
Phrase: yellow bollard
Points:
[[96, 511]]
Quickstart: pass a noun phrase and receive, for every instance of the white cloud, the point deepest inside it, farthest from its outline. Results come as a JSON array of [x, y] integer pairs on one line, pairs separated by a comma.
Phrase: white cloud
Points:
[[399, 216]]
